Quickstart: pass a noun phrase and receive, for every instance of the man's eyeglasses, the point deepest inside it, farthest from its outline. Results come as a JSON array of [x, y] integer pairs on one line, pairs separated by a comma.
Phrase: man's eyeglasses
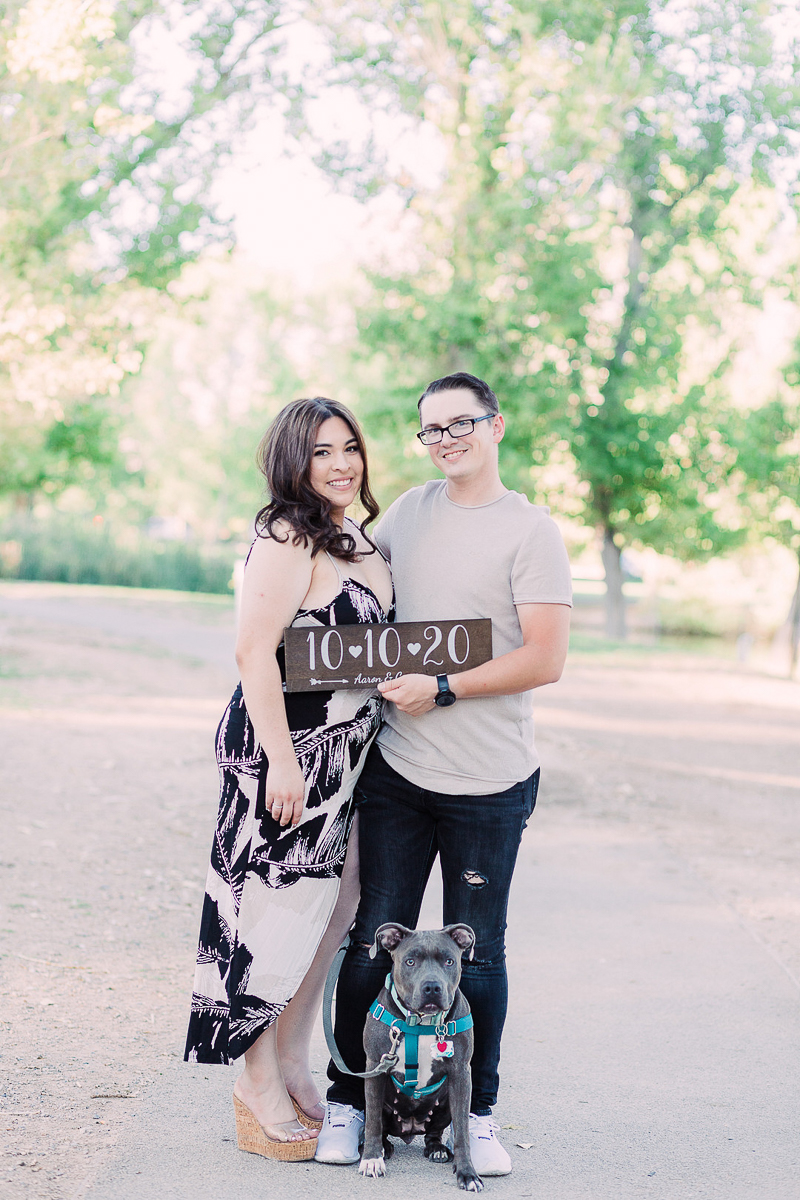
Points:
[[429, 437]]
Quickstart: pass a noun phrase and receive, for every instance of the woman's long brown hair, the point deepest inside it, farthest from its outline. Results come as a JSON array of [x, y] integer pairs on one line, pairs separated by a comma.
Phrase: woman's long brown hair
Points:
[[284, 459]]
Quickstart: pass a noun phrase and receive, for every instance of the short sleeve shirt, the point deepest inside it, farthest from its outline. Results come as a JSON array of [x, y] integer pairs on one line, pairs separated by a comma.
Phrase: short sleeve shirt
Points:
[[452, 562]]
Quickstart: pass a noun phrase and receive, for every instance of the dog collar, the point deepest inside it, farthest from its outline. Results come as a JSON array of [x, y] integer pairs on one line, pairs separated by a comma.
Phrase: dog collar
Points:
[[446, 1029]]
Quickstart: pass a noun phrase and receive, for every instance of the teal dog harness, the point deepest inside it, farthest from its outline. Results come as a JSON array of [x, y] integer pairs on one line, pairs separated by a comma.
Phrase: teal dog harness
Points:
[[411, 1027]]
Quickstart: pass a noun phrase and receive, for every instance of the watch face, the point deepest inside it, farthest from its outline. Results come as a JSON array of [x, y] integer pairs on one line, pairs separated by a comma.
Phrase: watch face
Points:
[[445, 699]]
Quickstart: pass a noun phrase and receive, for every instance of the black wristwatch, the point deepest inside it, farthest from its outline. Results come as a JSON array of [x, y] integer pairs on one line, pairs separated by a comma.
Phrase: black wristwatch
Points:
[[444, 697]]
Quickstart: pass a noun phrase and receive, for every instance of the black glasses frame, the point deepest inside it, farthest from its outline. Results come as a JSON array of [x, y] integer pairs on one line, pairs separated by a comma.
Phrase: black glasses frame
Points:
[[428, 438]]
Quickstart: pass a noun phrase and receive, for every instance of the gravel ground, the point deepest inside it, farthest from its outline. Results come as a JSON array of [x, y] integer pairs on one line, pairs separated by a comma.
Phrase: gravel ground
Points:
[[654, 935]]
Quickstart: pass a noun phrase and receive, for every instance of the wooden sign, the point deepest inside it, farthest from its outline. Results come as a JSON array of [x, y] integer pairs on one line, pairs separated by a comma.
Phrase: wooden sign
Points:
[[360, 656]]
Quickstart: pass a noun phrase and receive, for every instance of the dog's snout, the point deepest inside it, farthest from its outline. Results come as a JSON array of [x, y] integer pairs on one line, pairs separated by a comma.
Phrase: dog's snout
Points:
[[431, 988]]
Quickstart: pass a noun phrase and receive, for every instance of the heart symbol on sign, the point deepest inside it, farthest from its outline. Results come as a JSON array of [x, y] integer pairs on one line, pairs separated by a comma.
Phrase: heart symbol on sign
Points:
[[414, 647], [355, 650]]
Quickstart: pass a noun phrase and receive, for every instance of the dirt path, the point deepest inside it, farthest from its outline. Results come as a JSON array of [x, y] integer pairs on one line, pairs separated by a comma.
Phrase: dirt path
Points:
[[672, 788], [107, 803]]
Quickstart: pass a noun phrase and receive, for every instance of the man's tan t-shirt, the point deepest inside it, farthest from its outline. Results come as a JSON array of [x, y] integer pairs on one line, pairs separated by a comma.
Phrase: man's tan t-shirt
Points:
[[452, 562]]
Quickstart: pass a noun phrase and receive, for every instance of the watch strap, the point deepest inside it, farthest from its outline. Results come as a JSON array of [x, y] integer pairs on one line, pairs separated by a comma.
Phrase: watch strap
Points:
[[445, 695]]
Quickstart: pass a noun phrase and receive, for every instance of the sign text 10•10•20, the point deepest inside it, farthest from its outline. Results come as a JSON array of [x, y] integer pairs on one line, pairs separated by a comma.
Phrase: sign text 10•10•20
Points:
[[358, 656]]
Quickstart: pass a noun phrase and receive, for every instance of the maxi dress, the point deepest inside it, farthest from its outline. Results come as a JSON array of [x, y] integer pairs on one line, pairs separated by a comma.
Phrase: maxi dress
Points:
[[271, 890]]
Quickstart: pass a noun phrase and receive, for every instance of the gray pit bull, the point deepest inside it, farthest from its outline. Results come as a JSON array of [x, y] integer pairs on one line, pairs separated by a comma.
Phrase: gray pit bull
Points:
[[426, 969]]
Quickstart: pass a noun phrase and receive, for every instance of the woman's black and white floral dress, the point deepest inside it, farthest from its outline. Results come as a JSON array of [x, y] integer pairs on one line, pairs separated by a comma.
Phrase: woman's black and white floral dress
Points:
[[270, 891]]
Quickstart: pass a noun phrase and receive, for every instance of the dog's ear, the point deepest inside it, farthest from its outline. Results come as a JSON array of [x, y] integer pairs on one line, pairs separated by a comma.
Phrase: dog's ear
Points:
[[388, 937], [463, 937]]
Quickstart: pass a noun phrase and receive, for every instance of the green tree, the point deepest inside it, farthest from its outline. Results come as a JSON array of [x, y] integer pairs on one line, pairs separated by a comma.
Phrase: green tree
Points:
[[768, 466], [601, 170], [215, 375], [105, 173]]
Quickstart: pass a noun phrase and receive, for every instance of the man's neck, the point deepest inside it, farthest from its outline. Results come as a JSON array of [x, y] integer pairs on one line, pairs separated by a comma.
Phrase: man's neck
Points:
[[471, 493]]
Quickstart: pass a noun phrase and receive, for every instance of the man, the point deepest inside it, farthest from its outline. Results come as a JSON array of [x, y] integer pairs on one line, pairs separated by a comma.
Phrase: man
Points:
[[454, 768]]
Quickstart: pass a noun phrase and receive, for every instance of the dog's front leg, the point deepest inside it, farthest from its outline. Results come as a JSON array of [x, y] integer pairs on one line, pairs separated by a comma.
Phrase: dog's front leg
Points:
[[460, 1088], [372, 1160]]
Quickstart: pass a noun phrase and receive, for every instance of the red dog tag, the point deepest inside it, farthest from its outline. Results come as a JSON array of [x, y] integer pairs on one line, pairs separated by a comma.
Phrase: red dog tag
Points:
[[441, 1047]]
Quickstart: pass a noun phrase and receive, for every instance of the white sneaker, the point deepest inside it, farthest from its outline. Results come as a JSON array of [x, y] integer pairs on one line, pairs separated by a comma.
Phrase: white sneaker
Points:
[[341, 1135], [488, 1156]]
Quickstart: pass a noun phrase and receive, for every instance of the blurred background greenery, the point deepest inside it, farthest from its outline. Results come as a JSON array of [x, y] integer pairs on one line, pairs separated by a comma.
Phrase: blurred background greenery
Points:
[[592, 205]]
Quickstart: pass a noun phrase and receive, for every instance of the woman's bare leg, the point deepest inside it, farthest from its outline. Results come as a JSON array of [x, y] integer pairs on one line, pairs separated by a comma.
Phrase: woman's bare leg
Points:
[[296, 1022], [260, 1085]]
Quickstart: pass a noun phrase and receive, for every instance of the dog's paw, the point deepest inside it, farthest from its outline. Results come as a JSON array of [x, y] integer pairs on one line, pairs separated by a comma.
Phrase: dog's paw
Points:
[[469, 1181], [439, 1153], [372, 1168]]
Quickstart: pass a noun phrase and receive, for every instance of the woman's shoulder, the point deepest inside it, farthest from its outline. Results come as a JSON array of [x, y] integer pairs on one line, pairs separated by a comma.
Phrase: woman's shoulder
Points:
[[279, 541], [278, 530]]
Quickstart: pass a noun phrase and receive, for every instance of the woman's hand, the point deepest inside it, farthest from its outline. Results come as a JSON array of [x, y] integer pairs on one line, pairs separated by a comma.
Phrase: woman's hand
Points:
[[285, 792]]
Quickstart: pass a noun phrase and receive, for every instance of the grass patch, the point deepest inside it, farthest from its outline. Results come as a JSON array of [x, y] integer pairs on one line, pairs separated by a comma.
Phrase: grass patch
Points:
[[76, 550], [581, 642]]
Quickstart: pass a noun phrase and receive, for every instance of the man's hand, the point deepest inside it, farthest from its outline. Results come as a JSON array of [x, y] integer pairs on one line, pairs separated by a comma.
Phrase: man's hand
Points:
[[413, 694]]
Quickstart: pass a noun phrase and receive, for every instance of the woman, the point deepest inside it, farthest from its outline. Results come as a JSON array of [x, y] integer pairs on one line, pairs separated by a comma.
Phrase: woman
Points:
[[282, 887]]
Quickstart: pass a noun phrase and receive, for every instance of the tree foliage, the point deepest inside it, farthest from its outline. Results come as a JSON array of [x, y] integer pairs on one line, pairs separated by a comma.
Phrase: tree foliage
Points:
[[105, 171], [768, 469], [216, 374], [592, 229]]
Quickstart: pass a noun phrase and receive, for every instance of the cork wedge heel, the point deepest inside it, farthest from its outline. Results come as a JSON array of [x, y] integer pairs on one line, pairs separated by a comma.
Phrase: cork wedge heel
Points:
[[304, 1118], [253, 1138]]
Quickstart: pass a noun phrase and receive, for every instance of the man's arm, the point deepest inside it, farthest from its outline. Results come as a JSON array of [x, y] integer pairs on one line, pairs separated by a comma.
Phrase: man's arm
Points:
[[539, 660]]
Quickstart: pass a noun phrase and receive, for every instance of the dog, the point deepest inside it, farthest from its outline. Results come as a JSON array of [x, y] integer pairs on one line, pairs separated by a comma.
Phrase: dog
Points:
[[426, 969]]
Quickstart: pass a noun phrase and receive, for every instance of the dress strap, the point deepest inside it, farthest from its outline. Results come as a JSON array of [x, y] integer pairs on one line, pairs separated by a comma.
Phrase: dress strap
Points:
[[336, 569], [369, 539]]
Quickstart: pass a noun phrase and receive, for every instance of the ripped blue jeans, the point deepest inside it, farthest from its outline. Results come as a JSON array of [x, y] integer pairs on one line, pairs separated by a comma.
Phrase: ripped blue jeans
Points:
[[402, 828]]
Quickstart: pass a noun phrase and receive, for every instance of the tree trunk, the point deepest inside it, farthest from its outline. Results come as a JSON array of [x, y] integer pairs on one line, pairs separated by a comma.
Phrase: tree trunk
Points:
[[794, 627], [615, 601]]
